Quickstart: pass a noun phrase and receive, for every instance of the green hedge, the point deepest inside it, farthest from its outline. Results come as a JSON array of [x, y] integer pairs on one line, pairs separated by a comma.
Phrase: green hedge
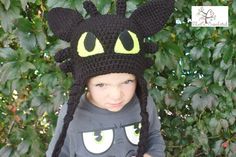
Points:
[[193, 80]]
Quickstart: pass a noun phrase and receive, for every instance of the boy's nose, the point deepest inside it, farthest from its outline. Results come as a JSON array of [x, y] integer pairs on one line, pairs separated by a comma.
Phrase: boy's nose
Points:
[[115, 93]]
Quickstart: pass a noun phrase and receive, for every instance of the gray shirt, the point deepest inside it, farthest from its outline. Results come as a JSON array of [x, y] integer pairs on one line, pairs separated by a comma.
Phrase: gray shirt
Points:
[[102, 133]]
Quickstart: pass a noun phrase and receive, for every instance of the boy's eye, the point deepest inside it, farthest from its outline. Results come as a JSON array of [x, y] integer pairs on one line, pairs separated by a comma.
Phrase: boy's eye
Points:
[[128, 81], [99, 141], [89, 45], [127, 43], [100, 85]]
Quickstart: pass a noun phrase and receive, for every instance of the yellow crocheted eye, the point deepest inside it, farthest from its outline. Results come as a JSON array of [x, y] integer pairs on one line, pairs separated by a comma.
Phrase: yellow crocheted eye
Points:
[[89, 45], [127, 43]]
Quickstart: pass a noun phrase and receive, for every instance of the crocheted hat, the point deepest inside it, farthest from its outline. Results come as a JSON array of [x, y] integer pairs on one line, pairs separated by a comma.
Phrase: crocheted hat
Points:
[[103, 44]]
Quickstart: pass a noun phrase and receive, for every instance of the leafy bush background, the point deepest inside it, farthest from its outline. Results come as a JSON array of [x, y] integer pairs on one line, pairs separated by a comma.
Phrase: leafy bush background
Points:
[[193, 80]]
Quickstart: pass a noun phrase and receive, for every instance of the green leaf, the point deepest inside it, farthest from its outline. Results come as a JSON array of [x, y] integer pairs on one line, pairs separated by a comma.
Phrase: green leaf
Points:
[[58, 99], [25, 66], [230, 79], [180, 5], [217, 52], [36, 101], [196, 103], [234, 6], [174, 49], [232, 120], [38, 25], [197, 82], [8, 54], [8, 17], [189, 150], [157, 95], [44, 107], [24, 3], [170, 100], [162, 36], [24, 25], [231, 73], [104, 6], [41, 40], [218, 148], [219, 76], [201, 33], [19, 84], [230, 84], [189, 92], [78, 4], [160, 61], [210, 101], [215, 126], [58, 45], [169, 60], [234, 112], [203, 139], [5, 151], [213, 122], [131, 6], [217, 89], [6, 3], [39, 33], [228, 53], [73, 4], [9, 71], [196, 53], [49, 80], [23, 147], [233, 148], [224, 123], [161, 81], [27, 40], [56, 3], [224, 65]]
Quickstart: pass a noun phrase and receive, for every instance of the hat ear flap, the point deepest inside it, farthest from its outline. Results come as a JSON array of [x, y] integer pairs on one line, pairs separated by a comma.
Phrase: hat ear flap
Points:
[[62, 21], [152, 16]]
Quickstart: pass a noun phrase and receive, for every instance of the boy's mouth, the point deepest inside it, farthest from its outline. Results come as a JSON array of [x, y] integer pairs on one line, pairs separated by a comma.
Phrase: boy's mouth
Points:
[[116, 104]]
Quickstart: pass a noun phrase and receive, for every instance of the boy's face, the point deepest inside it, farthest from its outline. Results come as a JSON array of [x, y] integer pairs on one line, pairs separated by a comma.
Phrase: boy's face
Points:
[[111, 91]]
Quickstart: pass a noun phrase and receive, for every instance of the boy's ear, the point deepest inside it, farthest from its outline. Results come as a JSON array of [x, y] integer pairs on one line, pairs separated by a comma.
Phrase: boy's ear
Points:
[[152, 16], [62, 21]]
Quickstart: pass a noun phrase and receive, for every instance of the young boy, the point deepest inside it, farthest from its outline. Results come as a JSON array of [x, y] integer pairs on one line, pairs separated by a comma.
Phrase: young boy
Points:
[[109, 113]]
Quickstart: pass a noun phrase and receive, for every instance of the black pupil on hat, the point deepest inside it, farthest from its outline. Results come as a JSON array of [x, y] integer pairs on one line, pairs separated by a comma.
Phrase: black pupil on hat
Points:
[[89, 42], [126, 40]]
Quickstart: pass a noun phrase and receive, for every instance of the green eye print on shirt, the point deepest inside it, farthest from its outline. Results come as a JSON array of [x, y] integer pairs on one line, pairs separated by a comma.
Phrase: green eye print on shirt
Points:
[[133, 133], [98, 142]]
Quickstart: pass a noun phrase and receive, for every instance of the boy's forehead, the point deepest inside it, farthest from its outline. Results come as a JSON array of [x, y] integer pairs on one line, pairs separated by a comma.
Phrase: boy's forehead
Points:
[[112, 78]]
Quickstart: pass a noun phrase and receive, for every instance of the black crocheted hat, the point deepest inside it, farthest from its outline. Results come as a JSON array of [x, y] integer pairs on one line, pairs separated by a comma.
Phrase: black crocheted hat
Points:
[[103, 44]]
